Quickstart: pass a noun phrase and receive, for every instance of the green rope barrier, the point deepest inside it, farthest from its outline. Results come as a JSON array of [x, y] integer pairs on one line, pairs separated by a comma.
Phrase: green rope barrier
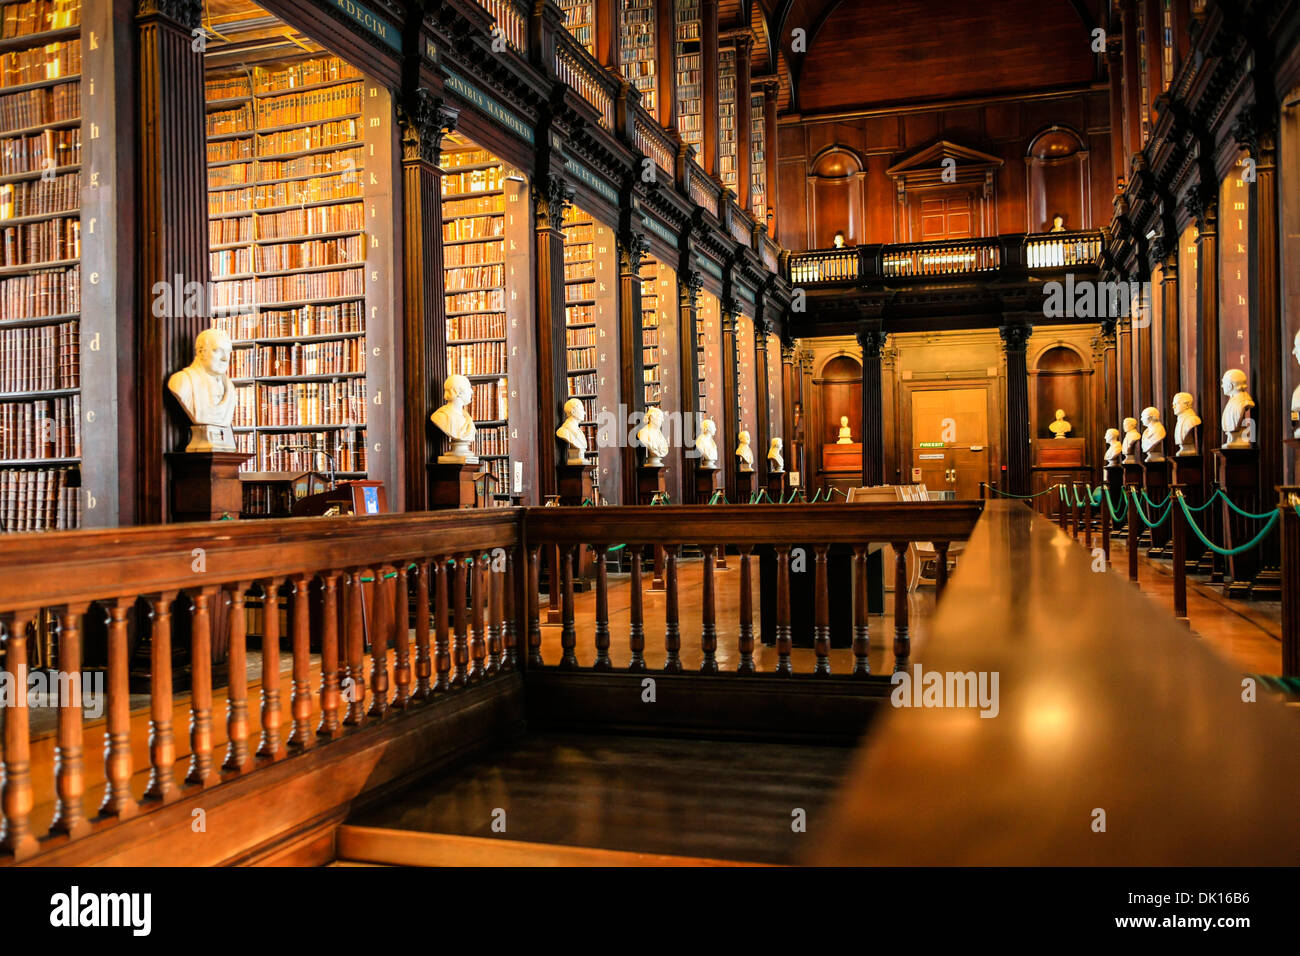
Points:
[[1214, 497], [588, 503], [1008, 494], [1246, 514], [1228, 552], [817, 497], [1137, 506], [718, 495], [1152, 504], [616, 547], [1110, 505]]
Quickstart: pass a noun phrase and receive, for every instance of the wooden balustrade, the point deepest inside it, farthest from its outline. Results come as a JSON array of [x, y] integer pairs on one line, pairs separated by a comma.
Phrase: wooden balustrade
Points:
[[576, 68], [511, 20], [825, 265], [701, 189], [942, 258], [1062, 250], [650, 138]]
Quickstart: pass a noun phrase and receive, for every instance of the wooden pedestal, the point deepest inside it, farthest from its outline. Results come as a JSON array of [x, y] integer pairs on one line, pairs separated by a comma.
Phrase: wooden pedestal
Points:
[[451, 485], [1189, 472], [649, 482], [1156, 482], [776, 486], [1237, 472], [574, 484], [744, 486], [205, 485], [1134, 478], [706, 483]]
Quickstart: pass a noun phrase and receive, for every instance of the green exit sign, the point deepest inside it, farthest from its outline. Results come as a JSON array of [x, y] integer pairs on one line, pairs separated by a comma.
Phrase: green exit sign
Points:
[[933, 444]]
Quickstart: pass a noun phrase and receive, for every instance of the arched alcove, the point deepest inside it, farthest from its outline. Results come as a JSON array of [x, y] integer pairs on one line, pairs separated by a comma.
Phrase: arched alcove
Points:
[[836, 188], [1060, 382], [1057, 181], [840, 394]]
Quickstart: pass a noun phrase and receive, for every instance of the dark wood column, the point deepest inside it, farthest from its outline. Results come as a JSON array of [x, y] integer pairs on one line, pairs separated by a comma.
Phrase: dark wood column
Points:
[[607, 33], [172, 238], [1207, 296], [1143, 336], [1015, 338], [551, 195], [1110, 415], [730, 393], [872, 340], [631, 248], [1170, 331], [762, 379], [709, 91], [1132, 95], [424, 120], [744, 128], [1115, 70], [689, 285], [1124, 401], [666, 66]]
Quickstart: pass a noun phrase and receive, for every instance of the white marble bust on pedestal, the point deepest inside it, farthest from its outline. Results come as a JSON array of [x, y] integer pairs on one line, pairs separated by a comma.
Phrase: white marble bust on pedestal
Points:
[[1186, 425], [1153, 435], [707, 446], [652, 437], [745, 453], [1060, 427], [846, 437], [1132, 441], [775, 457], [570, 432], [1114, 449], [1236, 413], [453, 420], [207, 394]]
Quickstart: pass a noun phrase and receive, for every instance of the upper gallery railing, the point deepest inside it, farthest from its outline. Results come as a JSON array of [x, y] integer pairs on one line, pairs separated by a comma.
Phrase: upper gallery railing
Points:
[[964, 257], [577, 68], [512, 21]]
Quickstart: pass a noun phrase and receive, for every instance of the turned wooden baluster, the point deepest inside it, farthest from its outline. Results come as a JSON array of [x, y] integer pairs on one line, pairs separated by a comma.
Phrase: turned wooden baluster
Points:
[[902, 643], [354, 678], [709, 628], [16, 792], [69, 766], [822, 627], [601, 556], [460, 649], [202, 770], [300, 737], [237, 755], [1087, 521], [118, 765], [783, 642], [494, 581], [941, 569], [553, 587], [534, 609], [672, 632], [746, 665], [423, 662], [478, 638], [380, 632], [442, 628], [272, 743], [657, 578], [509, 632], [162, 748], [861, 614], [329, 657], [636, 629], [568, 635], [401, 638]]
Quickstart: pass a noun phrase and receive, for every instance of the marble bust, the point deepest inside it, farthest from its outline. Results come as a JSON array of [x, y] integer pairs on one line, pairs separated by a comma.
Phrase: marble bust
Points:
[[454, 421], [1132, 439], [745, 453], [775, 457], [1186, 425], [1153, 435], [1060, 428], [707, 446], [1237, 412], [570, 432], [207, 394], [846, 438], [1113, 447], [652, 437], [1295, 396]]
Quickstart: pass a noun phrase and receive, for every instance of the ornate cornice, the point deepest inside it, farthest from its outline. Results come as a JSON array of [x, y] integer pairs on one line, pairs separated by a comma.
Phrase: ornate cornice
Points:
[[185, 13]]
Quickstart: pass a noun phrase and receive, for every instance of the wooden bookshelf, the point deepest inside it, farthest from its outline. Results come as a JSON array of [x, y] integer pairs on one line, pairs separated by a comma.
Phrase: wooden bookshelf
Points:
[[41, 340], [580, 20], [728, 116], [482, 239], [652, 361], [757, 160], [636, 50], [689, 58], [289, 142], [709, 359]]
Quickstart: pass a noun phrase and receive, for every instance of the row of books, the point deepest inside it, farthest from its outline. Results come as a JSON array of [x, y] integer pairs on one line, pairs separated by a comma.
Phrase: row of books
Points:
[[491, 401], [35, 242], [39, 499], [305, 451], [757, 160], [238, 119], [637, 49], [306, 320], [39, 197], [223, 232], [40, 429], [493, 440], [334, 133], [296, 192], [39, 16], [306, 72], [304, 403], [47, 104], [473, 181], [482, 227], [583, 383], [582, 357], [52, 61], [311, 254], [40, 359], [266, 170], [38, 294], [473, 254], [500, 469], [308, 107], [473, 206], [332, 357], [40, 152], [229, 150], [579, 270], [490, 325], [579, 314], [461, 158], [580, 292], [313, 220], [311, 285], [580, 337], [477, 358], [474, 277], [577, 233], [227, 87], [484, 300]]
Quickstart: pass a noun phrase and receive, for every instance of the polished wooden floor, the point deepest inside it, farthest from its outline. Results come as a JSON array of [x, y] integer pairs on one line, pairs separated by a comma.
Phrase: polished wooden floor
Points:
[[719, 800]]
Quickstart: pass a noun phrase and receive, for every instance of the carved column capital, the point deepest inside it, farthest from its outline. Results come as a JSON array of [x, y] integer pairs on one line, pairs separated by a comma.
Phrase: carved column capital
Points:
[[551, 197], [425, 119], [1015, 337], [690, 287], [184, 13], [872, 341], [632, 248]]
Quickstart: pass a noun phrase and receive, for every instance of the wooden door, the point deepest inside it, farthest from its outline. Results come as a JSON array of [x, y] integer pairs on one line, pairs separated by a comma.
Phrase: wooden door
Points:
[[950, 438], [947, 217]]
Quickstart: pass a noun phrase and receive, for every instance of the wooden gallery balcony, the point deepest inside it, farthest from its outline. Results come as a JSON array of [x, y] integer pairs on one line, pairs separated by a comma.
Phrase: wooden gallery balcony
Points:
[[716, 671], [955, 284]]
